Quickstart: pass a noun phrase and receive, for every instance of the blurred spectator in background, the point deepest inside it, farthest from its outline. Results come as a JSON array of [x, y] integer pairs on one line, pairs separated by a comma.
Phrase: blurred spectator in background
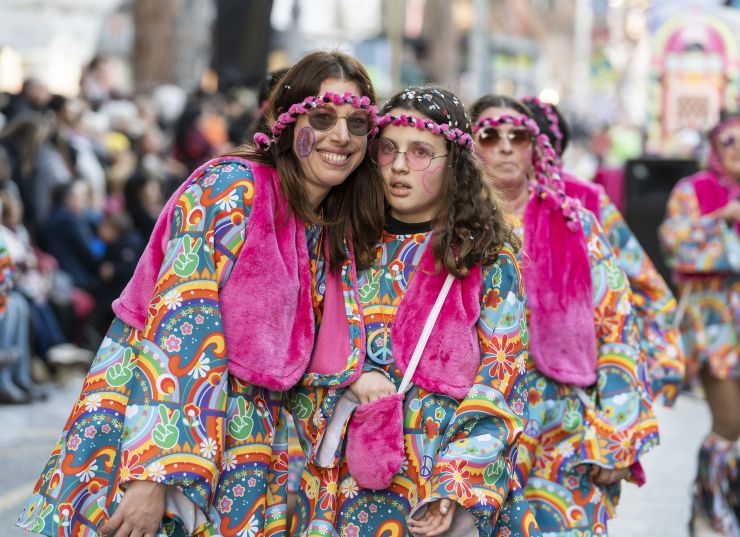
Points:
[[36, 165], [34, 97], [191, 146], [124, 246], [144, 202], [67, 236]]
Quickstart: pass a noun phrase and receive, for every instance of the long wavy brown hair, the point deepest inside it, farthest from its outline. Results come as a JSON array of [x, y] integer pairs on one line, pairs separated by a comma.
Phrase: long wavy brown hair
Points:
[[354, 207], [469, 227]]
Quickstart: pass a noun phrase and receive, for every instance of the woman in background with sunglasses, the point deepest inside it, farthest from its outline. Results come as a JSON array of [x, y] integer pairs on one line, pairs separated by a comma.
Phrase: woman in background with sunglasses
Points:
[[701, 236], [590, 417], [653, 300], [180, 427], [457, 425]]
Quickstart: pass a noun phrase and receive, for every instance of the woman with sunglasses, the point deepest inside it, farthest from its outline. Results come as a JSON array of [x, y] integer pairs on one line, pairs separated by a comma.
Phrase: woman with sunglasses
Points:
[[653, 301], [701, 237], [180, 427], [590, 417], [449, 468]]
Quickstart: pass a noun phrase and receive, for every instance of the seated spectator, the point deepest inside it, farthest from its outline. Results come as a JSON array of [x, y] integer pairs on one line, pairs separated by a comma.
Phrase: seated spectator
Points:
[[67, 236], [124, 246]]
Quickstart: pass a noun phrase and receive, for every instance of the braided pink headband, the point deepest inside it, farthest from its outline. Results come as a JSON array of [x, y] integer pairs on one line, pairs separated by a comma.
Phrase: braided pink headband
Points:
[[262, 141], [547, 182], [453, 135], [552, 119]]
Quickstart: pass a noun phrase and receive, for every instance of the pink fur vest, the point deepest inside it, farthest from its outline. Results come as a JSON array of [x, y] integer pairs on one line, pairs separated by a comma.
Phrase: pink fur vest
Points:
[[266, 312], [587, 193], [712, 194], [452, 356], [557, 280]]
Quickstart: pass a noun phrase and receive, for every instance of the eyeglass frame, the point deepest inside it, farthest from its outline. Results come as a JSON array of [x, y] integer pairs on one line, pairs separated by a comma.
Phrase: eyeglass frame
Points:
[[331, 111], [396, 152]]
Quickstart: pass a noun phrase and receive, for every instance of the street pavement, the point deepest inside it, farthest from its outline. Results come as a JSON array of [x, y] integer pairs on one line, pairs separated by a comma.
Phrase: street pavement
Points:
[[659, 509]]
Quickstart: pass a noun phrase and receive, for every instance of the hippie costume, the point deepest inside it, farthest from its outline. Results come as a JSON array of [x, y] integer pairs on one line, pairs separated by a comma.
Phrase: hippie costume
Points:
[[588, 396], [704, 252]]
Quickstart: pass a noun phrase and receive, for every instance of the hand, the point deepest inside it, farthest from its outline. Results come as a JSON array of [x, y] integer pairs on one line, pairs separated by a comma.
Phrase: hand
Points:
[[371, 386], [607, 476], [730, 212], [435, 521], [140, 512]]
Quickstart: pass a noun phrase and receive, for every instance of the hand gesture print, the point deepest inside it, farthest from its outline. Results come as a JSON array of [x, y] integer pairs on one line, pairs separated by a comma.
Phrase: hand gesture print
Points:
[[166, 434], [240, 426], [187, 261], [119, 374]]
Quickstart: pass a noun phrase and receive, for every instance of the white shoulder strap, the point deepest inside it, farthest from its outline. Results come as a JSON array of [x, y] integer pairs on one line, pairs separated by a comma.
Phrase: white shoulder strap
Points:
[[425, 333]]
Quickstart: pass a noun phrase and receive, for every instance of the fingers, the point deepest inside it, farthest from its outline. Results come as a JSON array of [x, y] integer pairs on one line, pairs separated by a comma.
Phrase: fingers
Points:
[[607, 476], [447, 511], [111, 525], [436, 520]]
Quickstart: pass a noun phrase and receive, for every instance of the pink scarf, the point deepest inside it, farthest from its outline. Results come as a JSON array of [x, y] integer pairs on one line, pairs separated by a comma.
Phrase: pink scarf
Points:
[[265, 304]]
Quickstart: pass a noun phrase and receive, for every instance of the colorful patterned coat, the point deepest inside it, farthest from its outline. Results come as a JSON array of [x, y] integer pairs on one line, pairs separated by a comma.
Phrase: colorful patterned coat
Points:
[[159, 404], [653, 303], [610, 424], [461, 450], [710, 249]]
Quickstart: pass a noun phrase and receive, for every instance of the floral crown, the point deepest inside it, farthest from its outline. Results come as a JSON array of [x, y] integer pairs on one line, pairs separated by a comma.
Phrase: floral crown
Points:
[[262, 141], [452, 134], [552, 120], [547, 182]]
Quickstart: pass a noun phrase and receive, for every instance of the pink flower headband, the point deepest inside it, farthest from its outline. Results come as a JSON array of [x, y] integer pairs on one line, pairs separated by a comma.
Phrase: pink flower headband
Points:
[[547, 182], [454, 135], [262, 141], [552, 120]]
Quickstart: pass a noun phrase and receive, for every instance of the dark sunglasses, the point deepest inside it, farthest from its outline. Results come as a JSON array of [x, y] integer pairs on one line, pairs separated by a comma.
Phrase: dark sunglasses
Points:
[[728, 140], [359, 122], [419, 155], [491, 137]]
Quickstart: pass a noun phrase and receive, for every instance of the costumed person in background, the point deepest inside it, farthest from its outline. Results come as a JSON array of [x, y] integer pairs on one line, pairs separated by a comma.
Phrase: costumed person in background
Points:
[[701, 238], [590, 415], [180, 429], [652, 299], [438, 458]]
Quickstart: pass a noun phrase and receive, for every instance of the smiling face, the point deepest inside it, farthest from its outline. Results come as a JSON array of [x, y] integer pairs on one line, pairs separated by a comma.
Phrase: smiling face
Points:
[[507, 165], [727, 143], [327, 158], [413, 195]]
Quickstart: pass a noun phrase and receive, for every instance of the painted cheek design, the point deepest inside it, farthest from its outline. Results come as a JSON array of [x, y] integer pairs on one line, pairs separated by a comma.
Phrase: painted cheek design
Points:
[[304, 142], [426, 174]]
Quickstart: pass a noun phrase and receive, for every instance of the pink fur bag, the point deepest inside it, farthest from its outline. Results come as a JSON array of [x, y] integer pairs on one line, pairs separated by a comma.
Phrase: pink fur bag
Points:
[[375, 442], [375, 449]]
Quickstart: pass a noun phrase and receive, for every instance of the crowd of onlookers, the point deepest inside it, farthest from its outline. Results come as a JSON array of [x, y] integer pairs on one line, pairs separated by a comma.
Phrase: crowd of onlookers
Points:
[[82, 181]]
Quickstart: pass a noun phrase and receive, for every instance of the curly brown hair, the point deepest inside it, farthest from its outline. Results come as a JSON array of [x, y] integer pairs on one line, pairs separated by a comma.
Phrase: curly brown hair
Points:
[[469, 227], [354, 207]]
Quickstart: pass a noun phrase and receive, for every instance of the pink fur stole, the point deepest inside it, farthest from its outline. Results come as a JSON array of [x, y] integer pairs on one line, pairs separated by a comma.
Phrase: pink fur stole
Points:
[[266, 311], [557, 280]]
